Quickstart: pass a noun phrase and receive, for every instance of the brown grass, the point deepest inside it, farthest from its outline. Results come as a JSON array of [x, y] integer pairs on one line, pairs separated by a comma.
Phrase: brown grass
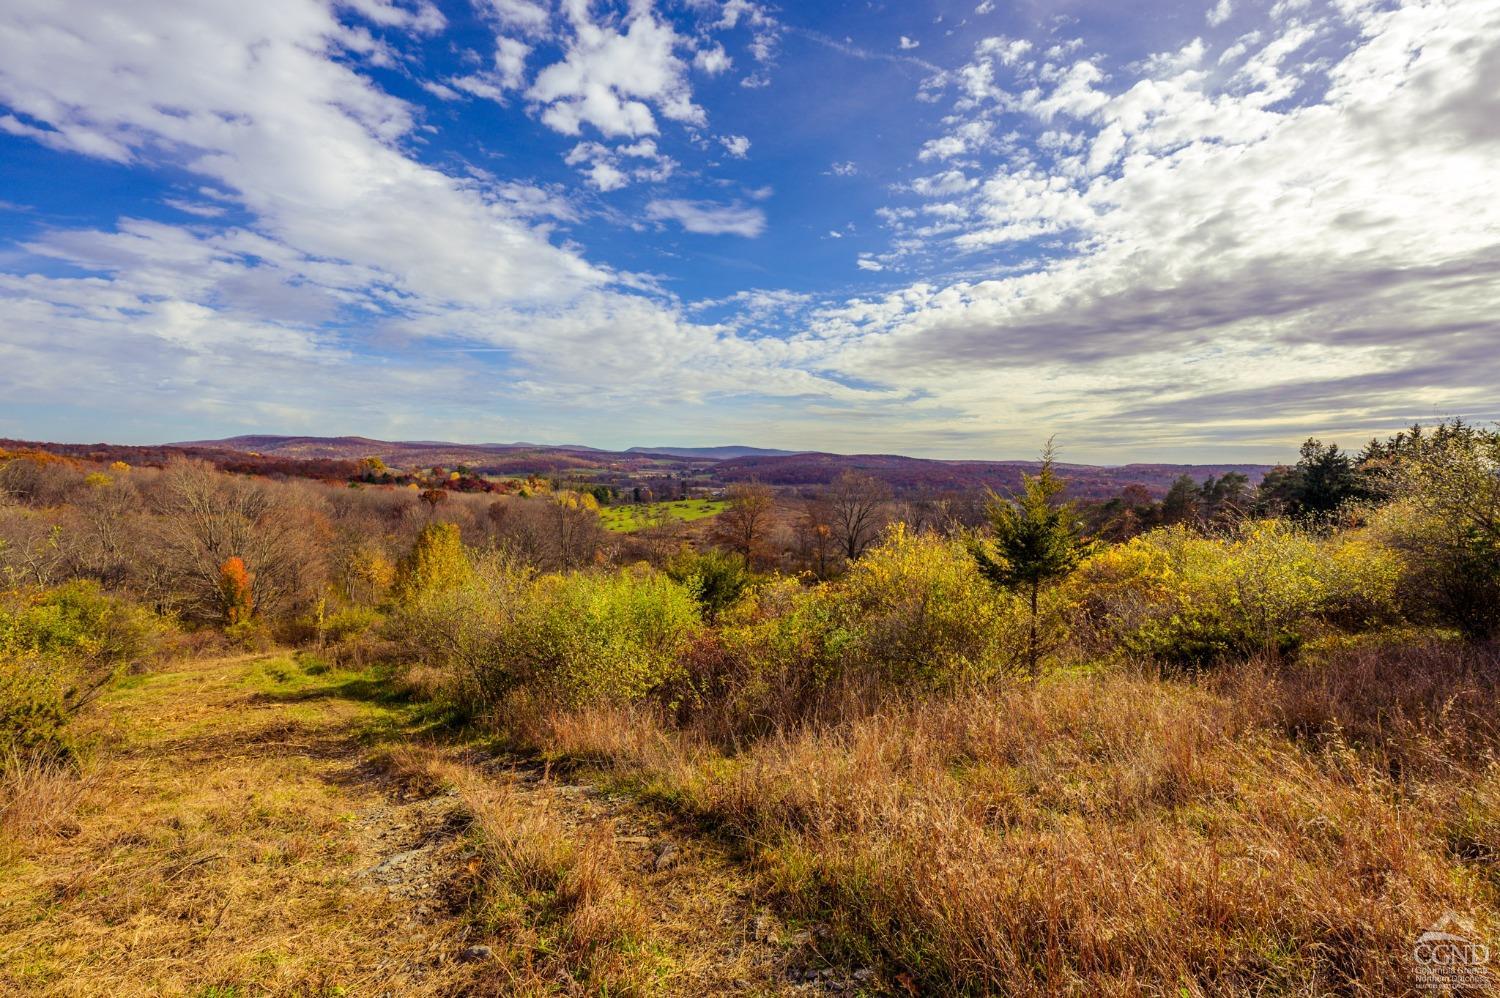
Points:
[[38, 796], [217, 842], [552, 898], [1267, 831]]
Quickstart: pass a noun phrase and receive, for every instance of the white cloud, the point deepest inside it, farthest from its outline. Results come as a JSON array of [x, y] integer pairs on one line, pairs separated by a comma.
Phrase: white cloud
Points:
[[526, 16], [612, 79], [1222, 265], [736, 145], [907, 44], [1297, 231], [1219, 12], [605, 169], [351, 263], [708, 218], [713, 60], [943, 184], [510, 61]]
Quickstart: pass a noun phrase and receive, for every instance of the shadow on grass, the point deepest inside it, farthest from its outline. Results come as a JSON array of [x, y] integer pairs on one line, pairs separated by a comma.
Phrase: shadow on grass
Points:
[[366, 689], [400, 715]]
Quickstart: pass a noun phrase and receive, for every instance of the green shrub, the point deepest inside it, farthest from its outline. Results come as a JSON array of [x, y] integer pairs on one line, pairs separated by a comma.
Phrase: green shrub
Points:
[[781, 644], [58, 647], [924, 615], [1187, 600], [716, 578], [436, 562], [912, 614], [459, 630], [33, 709], [351, 623], [1449, 569], [75, 619], [594, 637], [1446, 525]]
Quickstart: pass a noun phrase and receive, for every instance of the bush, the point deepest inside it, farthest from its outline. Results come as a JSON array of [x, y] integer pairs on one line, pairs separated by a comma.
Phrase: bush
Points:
[[76, 619], [912, 614], [459, 629], [58, 647], [587, 637], [1188, 601], [1449, 572], [924, 615], [716, 578], [436, 562], [774, 656], [33, 710]]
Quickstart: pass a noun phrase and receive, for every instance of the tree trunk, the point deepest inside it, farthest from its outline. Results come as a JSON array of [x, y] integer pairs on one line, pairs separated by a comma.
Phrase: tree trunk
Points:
[[1031, 644]]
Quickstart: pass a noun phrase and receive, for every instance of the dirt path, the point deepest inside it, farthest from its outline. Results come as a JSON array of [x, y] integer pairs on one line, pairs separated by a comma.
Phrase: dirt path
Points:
[[258, 825]]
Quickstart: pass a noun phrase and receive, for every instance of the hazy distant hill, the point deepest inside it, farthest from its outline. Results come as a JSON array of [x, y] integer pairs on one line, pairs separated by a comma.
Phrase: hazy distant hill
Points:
[[487, 458], [335, 457], [714, 453], [907, 475]]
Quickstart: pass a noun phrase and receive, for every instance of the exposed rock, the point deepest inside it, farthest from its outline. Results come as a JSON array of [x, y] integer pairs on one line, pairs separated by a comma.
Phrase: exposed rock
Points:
[[665, 858]]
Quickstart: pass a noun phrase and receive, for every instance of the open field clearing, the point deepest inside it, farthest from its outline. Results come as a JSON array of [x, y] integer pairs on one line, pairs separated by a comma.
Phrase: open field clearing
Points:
[[628, 518]]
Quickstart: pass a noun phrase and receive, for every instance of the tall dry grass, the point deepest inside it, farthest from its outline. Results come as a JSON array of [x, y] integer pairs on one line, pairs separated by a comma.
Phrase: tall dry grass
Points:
[[1271, 829], [550, 894], [38, 795]]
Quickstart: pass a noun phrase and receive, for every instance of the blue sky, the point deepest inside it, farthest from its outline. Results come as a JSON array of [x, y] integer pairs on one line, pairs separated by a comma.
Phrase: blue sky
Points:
[[1157, 231]]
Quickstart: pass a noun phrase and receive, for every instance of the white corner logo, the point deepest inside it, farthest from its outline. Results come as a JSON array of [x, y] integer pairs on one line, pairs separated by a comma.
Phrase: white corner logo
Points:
[[1449, 957]]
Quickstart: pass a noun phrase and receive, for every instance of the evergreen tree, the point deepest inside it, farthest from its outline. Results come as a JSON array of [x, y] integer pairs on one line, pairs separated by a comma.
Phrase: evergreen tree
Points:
[[1181, 502], [1035, 540]]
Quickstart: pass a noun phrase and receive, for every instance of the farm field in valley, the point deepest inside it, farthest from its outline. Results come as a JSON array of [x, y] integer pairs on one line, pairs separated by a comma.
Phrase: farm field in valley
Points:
[[625, 519]]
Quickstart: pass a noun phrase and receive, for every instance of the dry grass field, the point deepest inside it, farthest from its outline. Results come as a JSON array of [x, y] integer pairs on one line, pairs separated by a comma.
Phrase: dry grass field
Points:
[[264, 825]]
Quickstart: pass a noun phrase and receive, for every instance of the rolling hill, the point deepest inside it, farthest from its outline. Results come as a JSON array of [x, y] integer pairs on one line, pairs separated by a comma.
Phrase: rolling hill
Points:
[[711, 467]]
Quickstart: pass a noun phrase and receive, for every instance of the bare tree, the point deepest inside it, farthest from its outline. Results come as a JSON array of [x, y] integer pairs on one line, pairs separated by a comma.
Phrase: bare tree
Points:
[[744, 525], [816, 545], [516, 528], [856, 510], [104, 530], [208, 517], [576, 531]]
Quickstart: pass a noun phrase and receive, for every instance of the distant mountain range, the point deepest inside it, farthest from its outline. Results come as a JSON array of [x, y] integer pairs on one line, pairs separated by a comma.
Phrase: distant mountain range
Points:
[[908, 475], [714, 453], [336, 457]]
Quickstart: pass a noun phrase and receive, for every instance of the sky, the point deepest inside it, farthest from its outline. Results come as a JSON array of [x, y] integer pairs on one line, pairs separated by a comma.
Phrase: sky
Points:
[[1152, 230]]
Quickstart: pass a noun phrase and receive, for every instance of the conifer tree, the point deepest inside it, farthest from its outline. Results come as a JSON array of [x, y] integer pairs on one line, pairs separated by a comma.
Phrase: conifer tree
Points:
[[1035, 540]]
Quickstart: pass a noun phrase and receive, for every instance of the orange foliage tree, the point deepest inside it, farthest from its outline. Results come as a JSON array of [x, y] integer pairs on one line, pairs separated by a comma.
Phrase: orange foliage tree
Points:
[[234, 586]]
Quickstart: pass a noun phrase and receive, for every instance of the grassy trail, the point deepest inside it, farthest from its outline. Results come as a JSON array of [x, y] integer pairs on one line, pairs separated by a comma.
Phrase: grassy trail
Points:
[[258, 825]]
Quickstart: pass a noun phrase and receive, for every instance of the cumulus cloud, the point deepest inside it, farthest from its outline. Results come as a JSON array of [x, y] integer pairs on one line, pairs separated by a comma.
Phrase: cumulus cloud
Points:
[[736, 145], [526, 16], [612, 78], [1212, 246], [346, 252], [713, 60], [1231, 240], [611, 168], [708, 218]]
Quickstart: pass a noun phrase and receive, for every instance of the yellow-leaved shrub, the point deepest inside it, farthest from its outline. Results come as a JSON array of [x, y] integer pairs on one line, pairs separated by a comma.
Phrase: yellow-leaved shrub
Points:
[[1184, 599]]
